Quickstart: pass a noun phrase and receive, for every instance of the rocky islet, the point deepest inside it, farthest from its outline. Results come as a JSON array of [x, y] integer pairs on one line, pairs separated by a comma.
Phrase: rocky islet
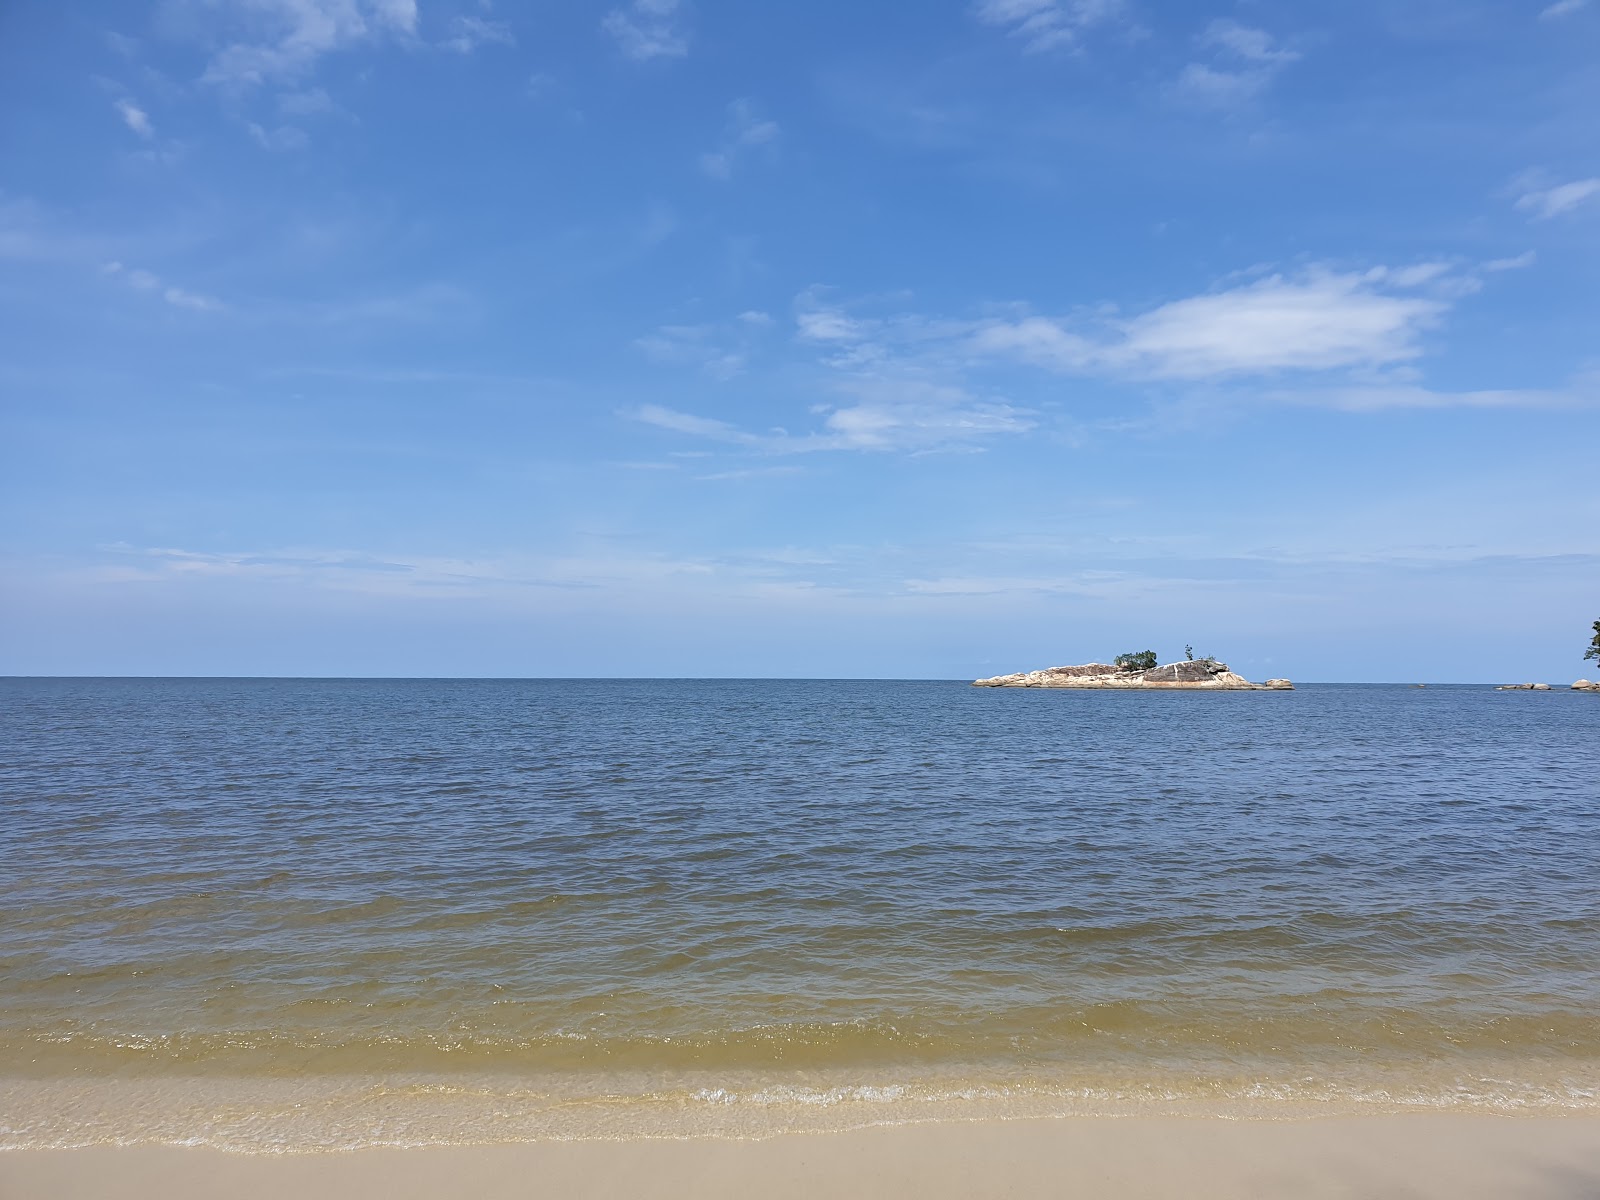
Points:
[[1204, 674]]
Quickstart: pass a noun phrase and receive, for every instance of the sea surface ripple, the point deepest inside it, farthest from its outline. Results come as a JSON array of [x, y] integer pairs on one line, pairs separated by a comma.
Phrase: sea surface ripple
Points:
[[692, 893]]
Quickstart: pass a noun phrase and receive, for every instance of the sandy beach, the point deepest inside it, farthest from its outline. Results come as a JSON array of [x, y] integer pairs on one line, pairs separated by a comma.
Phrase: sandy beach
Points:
[[1460, 1157]]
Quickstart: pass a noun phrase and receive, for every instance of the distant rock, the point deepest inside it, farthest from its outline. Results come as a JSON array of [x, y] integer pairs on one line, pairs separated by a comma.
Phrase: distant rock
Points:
[[1203, 673], [1524, 687], [1585, 685]]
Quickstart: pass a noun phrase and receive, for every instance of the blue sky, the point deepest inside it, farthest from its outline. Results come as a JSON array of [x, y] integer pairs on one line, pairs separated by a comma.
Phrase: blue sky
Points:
[[442, 337]]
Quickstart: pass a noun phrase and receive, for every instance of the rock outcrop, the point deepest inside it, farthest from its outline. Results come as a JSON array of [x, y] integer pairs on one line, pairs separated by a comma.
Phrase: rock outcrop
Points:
[[1204, 673], [1524, 687], [1585, 685]]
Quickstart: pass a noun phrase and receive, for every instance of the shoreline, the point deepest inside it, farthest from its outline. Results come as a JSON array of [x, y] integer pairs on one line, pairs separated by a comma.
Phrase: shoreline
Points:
[[296, 1113], [1429, 1155]]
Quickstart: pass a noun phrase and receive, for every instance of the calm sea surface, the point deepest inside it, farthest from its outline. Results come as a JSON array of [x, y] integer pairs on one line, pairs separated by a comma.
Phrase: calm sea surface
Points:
[[269, 913]]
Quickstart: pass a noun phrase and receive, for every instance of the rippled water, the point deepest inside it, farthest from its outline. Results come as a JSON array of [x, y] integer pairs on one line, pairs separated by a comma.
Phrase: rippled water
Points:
[[336, 912]]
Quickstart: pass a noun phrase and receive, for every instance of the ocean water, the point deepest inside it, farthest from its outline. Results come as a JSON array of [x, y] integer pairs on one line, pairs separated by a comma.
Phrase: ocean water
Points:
[[270, 914]]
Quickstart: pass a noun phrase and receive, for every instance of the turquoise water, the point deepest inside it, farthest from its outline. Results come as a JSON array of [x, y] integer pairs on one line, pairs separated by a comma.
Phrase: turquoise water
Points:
[[467, 910]]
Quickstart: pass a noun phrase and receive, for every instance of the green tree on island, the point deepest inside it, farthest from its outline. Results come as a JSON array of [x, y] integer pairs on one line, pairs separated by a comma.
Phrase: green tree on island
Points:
[[1592, 652], [1145, 660]]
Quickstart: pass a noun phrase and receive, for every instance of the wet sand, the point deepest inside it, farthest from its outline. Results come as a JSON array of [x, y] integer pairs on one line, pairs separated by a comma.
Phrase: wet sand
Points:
[[1400, 1156]]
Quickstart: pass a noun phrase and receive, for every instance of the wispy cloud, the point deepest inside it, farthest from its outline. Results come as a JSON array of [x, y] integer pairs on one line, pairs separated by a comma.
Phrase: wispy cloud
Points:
[[1546, 202], [283, 39], [192, 300], [1047, 24], [681, 422], [147, 281], [1377, 397], [585, 576], [1316, 319], [1319, 320], [718, 350], [135, 118], [1562, 8], [468, 33], [746, 473], [1348, 340], [1244, 63], [1526, 259], [745, 130], [309, 102], [881, 415], [284, 137], [647, 29], [420, 304], [1350, 335]]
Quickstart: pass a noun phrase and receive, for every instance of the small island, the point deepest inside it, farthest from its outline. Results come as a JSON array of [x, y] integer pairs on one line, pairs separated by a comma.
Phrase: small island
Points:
[[1134, 671]]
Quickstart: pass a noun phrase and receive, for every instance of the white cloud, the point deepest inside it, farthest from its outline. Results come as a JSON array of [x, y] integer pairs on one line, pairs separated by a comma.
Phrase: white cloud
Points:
[[1046, 24], [720, 349], [1245, 61], [583, 576], [745, 130], [883, 414], [1254, 45], [682, 422], [1041, 341], [751, 473], [648, 29], [1321, 320], [284, 137], [309, 103], [1213, 87], [901, 415], [1525, 259], [1376, 398], [397, 14], [1545, 203], [135, 118], [1351, 335], [193, 300], [1562, 8], [148, 281], [472, 32], [286, 37], [828, 325], [712, 349]]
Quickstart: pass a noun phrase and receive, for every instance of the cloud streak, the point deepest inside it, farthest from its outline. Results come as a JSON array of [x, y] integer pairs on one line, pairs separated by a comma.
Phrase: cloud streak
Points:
[[1044, 25], [884, 416], [1562, 8], [1544, 203], [469, 33], [135, 118], [1347, 339], [745, 131], [648, 29], [1244, 63], [147, 281], [1318, 319], [285, 38]]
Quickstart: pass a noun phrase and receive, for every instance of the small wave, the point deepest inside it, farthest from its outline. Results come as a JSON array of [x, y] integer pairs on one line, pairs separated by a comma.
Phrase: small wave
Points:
[[298, 1115]]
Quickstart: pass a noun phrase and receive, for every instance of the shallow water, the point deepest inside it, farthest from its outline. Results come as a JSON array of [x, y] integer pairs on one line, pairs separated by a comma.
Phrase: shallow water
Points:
[[468, 910]]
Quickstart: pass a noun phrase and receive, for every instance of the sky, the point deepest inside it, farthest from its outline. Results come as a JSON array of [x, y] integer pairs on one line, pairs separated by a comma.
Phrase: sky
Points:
[[702, 338]]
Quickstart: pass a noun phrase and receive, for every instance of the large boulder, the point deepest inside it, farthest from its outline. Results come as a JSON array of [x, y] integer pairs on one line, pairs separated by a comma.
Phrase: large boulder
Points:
[[1199, 670]]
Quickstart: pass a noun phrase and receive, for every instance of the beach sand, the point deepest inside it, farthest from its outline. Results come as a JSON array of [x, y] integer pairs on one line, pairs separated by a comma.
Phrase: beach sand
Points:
[[1410, 1156]]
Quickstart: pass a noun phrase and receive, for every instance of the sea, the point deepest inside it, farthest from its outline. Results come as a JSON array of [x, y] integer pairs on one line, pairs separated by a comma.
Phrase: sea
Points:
[[310, 914]]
